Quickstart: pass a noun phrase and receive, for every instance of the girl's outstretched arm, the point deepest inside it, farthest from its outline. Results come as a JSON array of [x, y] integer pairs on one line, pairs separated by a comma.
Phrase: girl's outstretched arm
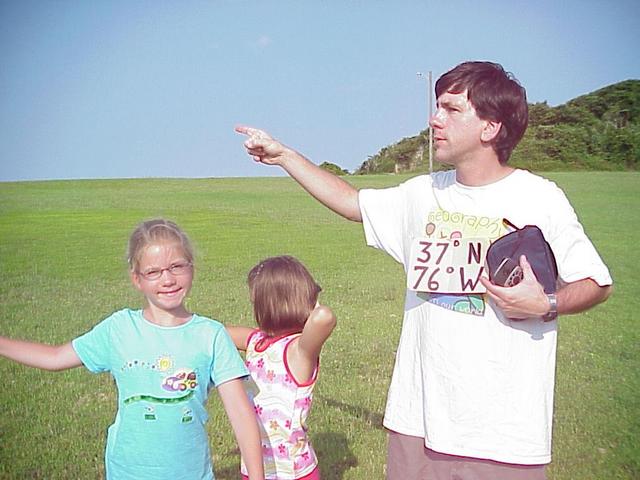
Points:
[[245, 425], [239, 335], [303, 354], [40, 355]]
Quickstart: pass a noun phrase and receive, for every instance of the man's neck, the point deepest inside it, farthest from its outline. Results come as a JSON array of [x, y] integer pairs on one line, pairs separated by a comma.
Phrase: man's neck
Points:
[[477, 174]]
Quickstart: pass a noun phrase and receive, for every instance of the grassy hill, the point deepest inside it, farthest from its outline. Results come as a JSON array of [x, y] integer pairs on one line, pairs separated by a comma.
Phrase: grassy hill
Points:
[[63, 269], [597, 131]]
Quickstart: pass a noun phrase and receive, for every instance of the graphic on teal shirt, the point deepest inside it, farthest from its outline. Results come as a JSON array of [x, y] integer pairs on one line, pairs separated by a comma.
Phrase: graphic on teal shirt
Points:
[[180, 380], [442, 224], [150, 412], [187, 415]]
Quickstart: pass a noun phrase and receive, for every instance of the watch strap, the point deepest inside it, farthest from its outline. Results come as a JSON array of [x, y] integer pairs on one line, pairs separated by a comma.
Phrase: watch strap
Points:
[[552, 314]]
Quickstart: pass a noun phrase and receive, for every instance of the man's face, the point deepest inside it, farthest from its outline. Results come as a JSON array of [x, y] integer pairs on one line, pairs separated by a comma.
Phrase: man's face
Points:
[[457, 130]]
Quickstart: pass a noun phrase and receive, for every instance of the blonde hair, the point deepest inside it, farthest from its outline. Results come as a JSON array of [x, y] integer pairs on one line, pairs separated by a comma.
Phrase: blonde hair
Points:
[[283, 294], [156, 231]]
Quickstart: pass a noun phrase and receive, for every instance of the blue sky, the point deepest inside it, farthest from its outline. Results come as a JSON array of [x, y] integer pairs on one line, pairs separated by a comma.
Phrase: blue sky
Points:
[[121, 89]]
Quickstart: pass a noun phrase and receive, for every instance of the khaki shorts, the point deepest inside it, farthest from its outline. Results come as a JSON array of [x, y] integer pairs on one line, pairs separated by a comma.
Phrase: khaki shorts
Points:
[[409, 459]]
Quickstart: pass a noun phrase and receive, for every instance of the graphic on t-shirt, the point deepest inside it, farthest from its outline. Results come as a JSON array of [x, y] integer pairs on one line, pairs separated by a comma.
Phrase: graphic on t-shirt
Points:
[[441, 224], [180, 380], [472, 304], [447, 223], [151, 398], [187, 415], [162, 364], [149, 412]]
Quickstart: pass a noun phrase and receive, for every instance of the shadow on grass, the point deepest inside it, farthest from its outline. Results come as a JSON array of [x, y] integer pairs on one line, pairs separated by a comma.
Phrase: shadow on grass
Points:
[[333, 450], [228, 473], [372, 419], [334, 455]]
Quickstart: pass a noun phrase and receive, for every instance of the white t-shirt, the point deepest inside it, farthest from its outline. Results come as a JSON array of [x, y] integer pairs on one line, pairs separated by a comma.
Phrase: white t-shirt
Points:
[[467, 379]]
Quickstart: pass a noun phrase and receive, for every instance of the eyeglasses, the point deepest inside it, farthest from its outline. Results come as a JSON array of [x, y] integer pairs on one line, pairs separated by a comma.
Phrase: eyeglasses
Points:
[[176, 269]]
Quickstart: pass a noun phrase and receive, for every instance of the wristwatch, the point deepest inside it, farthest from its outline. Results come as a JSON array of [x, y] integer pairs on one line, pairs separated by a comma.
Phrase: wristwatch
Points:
[[552, 314]]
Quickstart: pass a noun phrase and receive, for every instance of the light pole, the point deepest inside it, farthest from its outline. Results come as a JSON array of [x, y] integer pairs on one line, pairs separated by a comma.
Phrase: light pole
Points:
[[420, 74]]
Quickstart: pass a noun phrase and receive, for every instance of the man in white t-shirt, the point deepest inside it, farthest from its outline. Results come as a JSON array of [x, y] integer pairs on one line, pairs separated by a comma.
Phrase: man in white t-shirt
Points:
[[472, 388]]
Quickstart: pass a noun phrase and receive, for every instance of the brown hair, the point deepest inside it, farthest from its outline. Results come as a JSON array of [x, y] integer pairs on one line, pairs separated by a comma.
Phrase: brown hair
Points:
[[283, 294], [155, 231], [496, 95]]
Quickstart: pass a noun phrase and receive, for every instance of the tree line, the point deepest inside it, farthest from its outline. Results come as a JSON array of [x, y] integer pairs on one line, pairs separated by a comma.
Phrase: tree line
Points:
[[597, 131]]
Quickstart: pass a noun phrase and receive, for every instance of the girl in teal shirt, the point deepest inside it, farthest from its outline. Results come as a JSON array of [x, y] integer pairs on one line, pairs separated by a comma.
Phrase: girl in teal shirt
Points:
[[164, 360]]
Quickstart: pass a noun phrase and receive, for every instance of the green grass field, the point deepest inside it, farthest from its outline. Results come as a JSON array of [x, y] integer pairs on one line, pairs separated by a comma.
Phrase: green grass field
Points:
[[63, 269]]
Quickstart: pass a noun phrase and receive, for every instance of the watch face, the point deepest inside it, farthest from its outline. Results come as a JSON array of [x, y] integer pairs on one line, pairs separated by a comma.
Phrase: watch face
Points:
[[553, 303], [553, 308]]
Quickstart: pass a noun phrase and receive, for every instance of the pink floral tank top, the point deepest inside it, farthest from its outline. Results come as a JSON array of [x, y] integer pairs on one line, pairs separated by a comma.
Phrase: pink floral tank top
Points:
[[282, 405]]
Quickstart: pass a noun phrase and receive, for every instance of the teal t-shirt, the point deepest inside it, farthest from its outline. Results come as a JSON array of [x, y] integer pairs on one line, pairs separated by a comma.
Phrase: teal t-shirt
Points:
[[163, 375]]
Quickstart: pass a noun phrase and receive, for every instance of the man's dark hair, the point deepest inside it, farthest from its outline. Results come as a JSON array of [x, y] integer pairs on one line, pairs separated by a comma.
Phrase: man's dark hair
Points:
[[496, 95]]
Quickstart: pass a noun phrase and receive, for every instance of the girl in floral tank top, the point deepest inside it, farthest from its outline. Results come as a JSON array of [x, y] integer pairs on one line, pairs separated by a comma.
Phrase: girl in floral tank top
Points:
[[282, 356]]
